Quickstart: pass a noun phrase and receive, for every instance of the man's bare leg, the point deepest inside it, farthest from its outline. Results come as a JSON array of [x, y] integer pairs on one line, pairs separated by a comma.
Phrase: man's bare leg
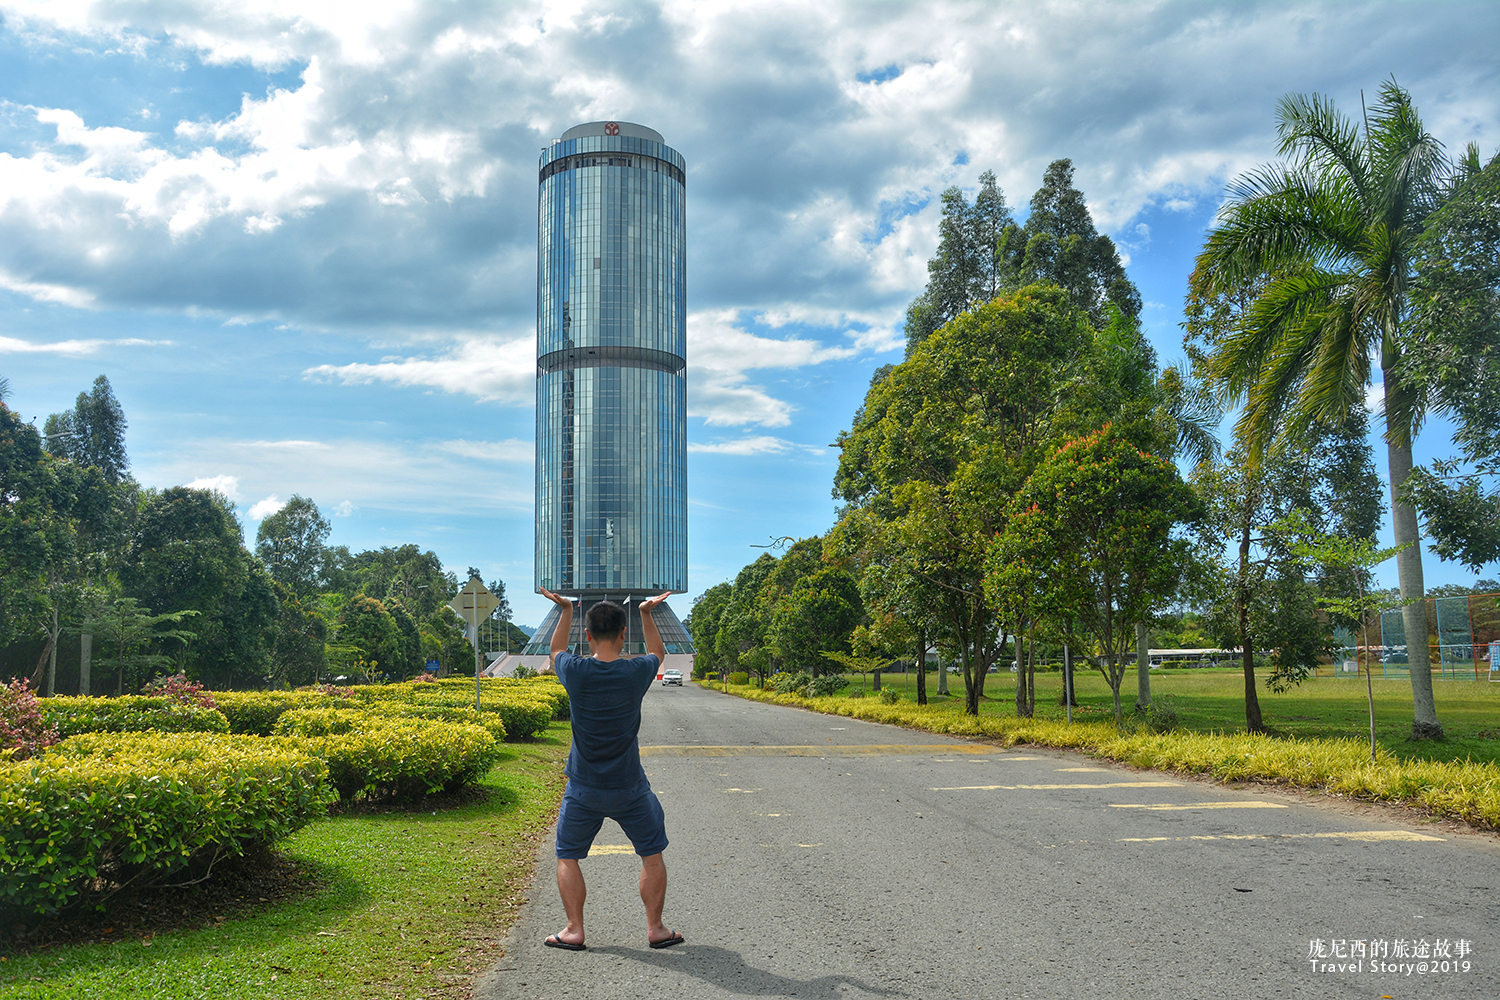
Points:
[[571, 887], [654, 895]]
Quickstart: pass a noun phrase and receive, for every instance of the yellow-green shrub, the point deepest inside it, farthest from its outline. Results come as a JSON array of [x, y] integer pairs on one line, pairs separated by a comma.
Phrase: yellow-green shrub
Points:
[[138, 807], [525, 707], [383, 755], [256, 712], [75, 714]]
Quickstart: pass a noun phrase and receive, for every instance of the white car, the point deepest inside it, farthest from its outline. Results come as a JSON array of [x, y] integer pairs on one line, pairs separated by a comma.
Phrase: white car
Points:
[[671, 677]]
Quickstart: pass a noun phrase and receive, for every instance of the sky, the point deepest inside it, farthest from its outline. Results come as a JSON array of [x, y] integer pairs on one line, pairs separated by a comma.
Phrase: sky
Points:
[[300, 239]]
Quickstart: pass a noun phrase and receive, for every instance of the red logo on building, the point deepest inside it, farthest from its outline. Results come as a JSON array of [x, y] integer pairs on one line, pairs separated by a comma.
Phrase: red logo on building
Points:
[[612, 128]]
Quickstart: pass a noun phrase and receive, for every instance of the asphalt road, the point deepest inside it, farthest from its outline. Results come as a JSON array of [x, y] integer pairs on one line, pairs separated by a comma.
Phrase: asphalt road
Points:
[[827, 858]]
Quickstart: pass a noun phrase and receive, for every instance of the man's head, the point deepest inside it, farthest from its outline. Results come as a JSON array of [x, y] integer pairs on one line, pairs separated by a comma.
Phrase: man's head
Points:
[[605, 621]]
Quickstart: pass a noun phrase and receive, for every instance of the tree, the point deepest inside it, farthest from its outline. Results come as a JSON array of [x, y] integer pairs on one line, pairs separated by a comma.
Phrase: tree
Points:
[[291, 544], [968, 269], [1455, 355], [946, 439], [1328, 242], [135, 636], [187, 554], [1060, 245], [298, 656], [818, 615], [367, 629], [92, 433], [1090, 545], [703, 624], [741, 627]]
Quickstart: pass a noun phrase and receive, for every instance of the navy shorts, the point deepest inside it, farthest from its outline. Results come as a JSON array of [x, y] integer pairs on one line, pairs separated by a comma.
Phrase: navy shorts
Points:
[[585, 809]]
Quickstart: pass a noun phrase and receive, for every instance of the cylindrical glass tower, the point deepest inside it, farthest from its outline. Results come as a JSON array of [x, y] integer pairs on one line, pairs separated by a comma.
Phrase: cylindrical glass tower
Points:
[[611, 401]]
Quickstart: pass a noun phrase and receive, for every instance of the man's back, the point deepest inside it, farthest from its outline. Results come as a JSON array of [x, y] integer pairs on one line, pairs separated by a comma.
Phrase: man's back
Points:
[[605, 702]]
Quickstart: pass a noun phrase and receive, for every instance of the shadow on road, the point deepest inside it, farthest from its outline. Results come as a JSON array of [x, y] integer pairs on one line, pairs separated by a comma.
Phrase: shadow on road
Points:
[[729, 972]]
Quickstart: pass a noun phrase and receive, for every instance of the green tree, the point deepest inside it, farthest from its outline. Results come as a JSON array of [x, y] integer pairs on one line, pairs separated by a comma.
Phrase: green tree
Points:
[[1090, 545], [298, 656], [703, 625], [291, 544], [945, 440], [741, 627], [187, 554], [92, 433], [1060, 245], [367, 628], [131, 639], [967, 270], [818, 615], [1328, 242], [1455, 355]]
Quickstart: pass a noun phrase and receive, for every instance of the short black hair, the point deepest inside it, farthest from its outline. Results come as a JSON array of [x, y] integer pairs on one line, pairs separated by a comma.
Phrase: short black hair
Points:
[[605, 621]]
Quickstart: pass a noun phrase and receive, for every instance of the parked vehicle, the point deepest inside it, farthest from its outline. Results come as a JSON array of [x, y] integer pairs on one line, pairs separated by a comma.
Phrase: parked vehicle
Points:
[[671, 677]]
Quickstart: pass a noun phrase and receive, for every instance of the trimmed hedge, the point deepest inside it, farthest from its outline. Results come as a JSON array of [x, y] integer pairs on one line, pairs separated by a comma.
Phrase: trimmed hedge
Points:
[[383, 755], [111, 809], [77, 714], [256, 712], [525, 707]]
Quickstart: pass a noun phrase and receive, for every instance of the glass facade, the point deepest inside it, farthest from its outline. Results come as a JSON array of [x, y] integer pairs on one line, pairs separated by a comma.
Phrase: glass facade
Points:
[[611, 400]]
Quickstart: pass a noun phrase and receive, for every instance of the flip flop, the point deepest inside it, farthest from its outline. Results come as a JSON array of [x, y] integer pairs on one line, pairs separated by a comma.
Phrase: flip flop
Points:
[[667, 942], [553, 941]]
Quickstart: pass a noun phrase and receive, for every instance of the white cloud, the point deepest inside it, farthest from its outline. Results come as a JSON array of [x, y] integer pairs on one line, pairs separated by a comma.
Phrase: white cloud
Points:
[[1375, 397], [344, 509], [509, 450], [262, 509], [763, 444], [493, 370], [720, 354], [227, 485]]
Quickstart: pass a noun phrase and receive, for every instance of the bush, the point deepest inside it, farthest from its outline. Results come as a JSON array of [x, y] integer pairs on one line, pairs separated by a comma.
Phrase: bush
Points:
[[523, 672], [77, 714], [789, 683], [179, 689], [526, 706], [24, 731], [382, 754], [112, 809], [739, 677], [827, 685], [890, 695], [493, 722]]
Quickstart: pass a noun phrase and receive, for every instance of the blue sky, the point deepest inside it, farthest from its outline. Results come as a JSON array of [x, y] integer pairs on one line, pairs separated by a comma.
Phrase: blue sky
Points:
[[302, 245]]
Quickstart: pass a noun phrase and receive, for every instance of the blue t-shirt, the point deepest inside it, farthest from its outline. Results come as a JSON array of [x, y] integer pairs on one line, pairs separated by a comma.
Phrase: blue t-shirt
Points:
[[605, 702]]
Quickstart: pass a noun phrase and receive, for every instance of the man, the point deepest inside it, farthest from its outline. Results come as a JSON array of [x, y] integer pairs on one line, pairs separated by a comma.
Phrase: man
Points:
[[605, 777]]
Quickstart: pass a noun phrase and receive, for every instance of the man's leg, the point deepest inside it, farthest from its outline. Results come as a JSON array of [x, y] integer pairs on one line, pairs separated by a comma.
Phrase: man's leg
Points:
[[654, 895], [571, 887]]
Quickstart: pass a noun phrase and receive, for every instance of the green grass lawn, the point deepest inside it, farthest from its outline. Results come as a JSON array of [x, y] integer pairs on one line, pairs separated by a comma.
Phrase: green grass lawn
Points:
[[1209, 700], [380, 904]]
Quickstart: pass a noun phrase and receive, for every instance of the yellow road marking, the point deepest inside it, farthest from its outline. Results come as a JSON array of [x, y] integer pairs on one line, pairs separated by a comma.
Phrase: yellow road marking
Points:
[[1089, 770], [829, 750], [1366, 835], [1049, 788], [600, 849], [819, 844], [1168, 806]]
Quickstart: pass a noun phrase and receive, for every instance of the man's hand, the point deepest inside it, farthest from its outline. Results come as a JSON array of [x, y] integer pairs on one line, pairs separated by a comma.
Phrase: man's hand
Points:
[[654, 645], [650, 603], [564, 630], [558, 599]]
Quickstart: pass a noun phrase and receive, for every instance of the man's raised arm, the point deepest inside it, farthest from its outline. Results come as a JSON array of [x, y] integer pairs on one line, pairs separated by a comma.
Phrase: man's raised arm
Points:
[[648, 627], [564, 630]]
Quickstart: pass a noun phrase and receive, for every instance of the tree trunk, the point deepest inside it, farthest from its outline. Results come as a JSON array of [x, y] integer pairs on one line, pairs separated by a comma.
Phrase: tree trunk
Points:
[[921, 669], [1424, 723], [875, 681], [1253, 721], [85, 662], [1020, 662], [1142, 668]]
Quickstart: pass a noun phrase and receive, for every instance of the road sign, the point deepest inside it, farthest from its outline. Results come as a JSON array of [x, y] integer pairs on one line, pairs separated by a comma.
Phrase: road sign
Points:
[[475, 602]]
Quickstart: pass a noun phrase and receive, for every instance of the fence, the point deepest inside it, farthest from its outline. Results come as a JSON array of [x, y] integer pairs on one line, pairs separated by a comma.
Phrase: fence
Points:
[[1463, 640]]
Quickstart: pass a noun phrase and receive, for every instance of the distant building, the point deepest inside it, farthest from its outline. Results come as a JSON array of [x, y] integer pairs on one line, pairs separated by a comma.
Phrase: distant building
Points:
[[611, 391]]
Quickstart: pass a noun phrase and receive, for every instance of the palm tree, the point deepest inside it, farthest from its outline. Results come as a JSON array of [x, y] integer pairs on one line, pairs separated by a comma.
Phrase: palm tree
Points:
[[1327, 241]]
